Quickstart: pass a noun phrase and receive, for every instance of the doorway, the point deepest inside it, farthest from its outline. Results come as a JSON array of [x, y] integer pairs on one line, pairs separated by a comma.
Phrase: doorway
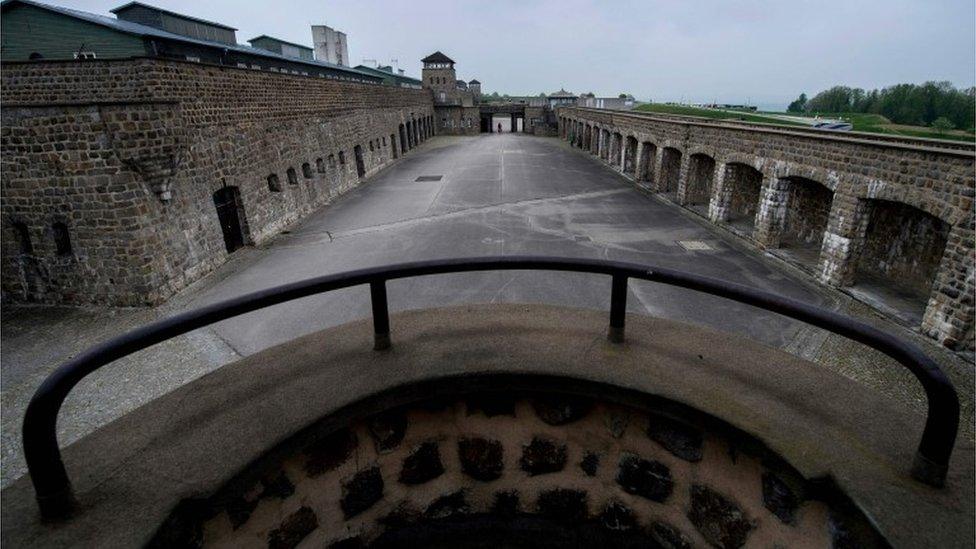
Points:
[[230, 215], [360, 165]]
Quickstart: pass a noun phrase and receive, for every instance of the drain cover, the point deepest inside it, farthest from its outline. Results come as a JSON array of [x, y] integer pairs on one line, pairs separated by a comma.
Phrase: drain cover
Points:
[[429, 178], [694, 245]]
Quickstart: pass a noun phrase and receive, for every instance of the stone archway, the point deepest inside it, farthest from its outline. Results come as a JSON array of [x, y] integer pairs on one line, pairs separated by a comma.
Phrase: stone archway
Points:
[[807, 212], [670, 170], [741, 189], [630, 156], [699, 185], [900, 256], [648, 156]]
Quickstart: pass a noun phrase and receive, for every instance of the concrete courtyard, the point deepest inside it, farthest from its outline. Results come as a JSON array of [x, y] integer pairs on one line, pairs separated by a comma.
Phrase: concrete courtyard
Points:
[[498, 194]]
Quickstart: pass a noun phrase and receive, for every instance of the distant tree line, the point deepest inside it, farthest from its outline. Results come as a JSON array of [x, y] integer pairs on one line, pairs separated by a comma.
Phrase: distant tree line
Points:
[[914, 104]]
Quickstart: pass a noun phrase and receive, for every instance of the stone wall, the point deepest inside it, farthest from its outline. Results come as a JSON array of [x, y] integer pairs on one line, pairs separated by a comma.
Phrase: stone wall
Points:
[[933, 180], [548, 470], [126, 156], [456, 120]]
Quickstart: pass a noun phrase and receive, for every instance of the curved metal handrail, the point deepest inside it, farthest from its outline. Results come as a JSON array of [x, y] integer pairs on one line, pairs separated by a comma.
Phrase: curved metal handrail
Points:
[[53, 487]]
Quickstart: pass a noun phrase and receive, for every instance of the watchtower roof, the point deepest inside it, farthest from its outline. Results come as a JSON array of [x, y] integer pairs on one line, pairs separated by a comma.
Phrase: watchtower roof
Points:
[[437, 57]]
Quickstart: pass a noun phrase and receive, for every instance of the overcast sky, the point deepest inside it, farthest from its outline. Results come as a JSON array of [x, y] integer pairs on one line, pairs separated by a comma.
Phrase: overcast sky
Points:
[[764, 51]]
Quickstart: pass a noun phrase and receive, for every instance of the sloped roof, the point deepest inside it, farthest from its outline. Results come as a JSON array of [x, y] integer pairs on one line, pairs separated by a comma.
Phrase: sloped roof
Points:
[[437, 57], [137, 29], [167, 12], [561, 93], [388, 73], [279, 40], [474, 82]]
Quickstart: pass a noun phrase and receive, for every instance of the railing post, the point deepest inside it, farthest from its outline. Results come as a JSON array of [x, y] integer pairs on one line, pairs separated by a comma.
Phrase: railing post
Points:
[[381, 315], [618, 308], [52, 487]]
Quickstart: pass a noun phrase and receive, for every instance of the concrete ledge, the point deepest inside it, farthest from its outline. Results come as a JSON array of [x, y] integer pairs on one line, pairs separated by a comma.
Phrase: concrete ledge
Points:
[[130, 474]]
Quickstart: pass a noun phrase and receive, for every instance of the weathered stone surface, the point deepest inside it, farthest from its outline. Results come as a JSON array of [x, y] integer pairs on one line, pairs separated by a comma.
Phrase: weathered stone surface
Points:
[[448, 506], [354, 542], [898, 213], [422, 465], [668, 536], [561, 409], [617, 516], [277, 486], [403, 515], [481, 458], [183, 527], [590, 463], [563, 505], [387, 430], [616, 421], [646, 478], [491, 404], [239, 510], [679, 439], [543, 456], [779, 498], [718, 518], [361, 491], [506, 504], [293, 529], [330, 452]]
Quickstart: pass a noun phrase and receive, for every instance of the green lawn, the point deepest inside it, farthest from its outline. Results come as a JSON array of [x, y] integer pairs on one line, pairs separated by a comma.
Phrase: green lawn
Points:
[[876, 123], [712, 113], [872, 123]]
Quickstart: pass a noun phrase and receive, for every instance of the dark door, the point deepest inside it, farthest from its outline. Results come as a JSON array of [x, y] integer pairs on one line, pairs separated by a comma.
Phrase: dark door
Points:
[[229, 212], [360, 165]]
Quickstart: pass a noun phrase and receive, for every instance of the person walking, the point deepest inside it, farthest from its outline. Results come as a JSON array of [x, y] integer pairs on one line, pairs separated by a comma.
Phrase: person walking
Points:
[[499, 127]]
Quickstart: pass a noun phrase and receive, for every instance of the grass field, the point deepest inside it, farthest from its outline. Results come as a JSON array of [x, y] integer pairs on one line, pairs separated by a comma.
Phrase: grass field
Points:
[[872, 123], [713, 113]]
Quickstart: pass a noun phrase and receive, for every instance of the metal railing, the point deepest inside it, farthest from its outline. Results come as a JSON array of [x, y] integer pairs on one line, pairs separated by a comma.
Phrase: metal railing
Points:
[[53, 487]]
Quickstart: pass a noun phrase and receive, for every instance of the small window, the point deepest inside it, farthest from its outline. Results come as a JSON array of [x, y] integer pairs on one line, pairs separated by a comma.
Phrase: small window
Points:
[[342, 158], [371, 145], [332, 163], [307, 170], [84, 55], [193, 58], [273, 184], [23, 239], [320, 165], [292, 177], [384, 142], [62, 241]]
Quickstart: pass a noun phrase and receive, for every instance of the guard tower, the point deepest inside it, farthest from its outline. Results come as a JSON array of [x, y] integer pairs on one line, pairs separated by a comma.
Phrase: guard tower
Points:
[[438, 73]]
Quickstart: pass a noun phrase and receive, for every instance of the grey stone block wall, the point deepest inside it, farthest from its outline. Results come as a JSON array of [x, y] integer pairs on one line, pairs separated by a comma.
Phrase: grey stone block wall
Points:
[[895, 210], [127, 155]]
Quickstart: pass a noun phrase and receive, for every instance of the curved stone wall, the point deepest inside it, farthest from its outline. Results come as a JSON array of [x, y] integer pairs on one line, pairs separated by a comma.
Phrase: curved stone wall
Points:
[[541, 470], [924, 253]]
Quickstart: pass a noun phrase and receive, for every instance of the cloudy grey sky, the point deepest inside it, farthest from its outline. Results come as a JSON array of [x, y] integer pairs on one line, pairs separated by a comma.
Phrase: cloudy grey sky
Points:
[[766, 51]]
